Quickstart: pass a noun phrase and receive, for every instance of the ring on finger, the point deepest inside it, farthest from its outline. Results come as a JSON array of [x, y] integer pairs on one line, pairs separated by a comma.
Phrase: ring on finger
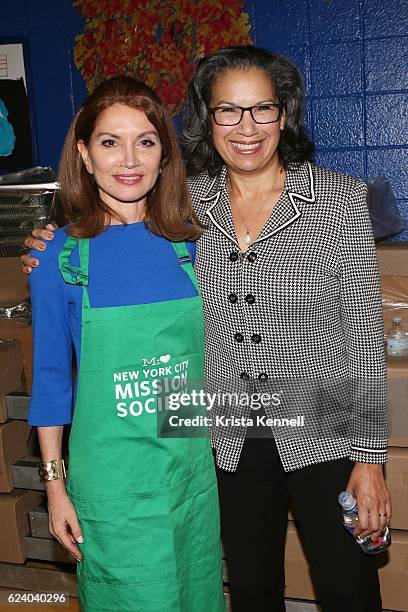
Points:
[[382, 514]]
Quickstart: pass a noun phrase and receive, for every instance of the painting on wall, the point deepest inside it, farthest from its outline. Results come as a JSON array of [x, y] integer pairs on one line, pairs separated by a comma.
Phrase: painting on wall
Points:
[[156, 41], [16, 149]]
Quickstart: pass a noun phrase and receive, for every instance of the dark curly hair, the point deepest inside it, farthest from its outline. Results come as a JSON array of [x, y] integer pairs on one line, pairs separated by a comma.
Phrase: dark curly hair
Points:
[[199, 153]]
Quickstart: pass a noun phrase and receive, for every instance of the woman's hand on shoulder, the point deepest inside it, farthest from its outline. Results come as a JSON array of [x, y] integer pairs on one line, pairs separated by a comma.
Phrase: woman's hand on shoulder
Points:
[[368, 486], [35, 242], [63, 520]]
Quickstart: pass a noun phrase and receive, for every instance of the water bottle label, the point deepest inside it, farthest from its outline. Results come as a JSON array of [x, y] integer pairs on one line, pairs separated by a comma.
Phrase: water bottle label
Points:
[[397, 346]]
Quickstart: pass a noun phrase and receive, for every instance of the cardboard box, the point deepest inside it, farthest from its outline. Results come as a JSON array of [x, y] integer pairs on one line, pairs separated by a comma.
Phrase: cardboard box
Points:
[[298, 583], [14, 287], [393, 259], [396, 473], [395, 299], [13, 443], [392, 566], [397, 370], [37, 577], [14, 524], [19, 330], [11, 366], [393, 572], [3, 410]]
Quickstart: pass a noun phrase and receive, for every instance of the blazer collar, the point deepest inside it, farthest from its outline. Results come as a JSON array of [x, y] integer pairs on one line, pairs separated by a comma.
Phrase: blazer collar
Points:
[[219, 208], [299, 188]]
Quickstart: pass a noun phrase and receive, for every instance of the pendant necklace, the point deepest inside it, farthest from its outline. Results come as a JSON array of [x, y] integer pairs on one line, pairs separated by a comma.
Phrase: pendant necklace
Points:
[[247, 239]]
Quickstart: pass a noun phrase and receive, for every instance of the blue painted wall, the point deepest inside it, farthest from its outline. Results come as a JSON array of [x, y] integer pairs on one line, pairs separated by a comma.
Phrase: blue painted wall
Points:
[[353, 54], [354, 57]]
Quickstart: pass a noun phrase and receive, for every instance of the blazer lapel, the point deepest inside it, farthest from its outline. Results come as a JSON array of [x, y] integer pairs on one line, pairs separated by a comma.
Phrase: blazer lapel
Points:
[[299, 187], [218, 207]]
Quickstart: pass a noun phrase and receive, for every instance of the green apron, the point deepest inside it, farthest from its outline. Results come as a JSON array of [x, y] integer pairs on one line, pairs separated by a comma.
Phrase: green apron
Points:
[[147, 505]]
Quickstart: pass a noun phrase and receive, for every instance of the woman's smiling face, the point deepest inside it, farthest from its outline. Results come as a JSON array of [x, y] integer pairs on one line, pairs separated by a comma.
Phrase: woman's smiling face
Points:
[[248, 147], [124, 155]]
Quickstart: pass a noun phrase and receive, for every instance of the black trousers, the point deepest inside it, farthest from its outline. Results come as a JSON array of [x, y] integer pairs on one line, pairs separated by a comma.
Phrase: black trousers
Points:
[[254, 508]]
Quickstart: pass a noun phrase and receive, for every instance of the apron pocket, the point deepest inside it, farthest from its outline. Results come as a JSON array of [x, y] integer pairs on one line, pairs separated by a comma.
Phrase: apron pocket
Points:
[[150, 538], [194, 509], [127, 540]]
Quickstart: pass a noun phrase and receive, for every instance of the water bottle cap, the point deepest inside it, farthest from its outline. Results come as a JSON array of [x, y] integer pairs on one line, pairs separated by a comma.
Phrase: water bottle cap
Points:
[[346, 500]]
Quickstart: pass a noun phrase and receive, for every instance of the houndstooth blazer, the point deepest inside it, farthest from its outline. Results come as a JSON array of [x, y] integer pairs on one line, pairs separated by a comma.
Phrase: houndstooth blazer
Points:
[[298, 314]]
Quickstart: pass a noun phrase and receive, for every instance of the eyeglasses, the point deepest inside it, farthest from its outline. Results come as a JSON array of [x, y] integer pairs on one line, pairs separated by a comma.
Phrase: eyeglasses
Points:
[[232, 115]]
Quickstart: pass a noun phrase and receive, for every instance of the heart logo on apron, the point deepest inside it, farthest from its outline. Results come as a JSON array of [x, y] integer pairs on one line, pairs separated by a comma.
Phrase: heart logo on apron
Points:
[[164, 358]]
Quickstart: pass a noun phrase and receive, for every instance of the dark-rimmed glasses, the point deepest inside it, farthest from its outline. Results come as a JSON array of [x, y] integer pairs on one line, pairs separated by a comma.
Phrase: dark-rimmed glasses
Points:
[[232, 115]]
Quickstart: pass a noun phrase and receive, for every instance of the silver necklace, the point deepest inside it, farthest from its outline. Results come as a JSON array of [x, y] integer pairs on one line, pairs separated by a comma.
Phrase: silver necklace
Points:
[[247, 239]]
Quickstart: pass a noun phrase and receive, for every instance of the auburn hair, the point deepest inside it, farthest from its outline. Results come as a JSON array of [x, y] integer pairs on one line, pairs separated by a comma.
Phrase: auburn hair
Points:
[[168, 209]]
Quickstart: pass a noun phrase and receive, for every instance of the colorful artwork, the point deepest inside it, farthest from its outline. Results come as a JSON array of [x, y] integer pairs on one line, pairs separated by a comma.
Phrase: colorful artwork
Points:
[[15, 132], [7, 135], [156, 41]]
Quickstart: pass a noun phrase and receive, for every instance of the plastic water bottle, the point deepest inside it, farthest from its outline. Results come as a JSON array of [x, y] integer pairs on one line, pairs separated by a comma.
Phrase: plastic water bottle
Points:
[[397, 339], [350, 521]]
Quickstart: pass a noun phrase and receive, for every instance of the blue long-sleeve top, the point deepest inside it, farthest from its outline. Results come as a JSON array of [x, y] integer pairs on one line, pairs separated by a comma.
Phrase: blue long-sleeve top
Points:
[[127, 265]]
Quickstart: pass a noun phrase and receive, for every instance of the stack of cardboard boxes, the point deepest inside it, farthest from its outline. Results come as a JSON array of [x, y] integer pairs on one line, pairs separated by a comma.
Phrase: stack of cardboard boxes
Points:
[[17, 443], [393, 564], [393, 263], [14, 434]]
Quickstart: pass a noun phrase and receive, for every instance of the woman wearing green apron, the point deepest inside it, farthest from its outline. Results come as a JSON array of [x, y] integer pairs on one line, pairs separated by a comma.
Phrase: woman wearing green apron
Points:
[[140, 510]]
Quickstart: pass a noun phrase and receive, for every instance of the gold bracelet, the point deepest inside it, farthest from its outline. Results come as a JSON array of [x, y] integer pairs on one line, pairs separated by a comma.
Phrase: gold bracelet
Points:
[[51, 470]]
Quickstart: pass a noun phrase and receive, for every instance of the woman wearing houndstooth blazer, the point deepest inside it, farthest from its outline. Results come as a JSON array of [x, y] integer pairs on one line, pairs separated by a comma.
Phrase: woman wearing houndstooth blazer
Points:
[[288, 272]]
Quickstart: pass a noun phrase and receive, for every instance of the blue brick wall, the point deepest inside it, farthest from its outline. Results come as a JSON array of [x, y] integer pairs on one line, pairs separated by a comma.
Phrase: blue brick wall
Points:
[[354, 57], [353, 54]]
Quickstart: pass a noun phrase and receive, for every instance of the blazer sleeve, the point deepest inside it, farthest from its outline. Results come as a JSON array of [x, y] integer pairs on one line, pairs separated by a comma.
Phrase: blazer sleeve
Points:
[[362, 320]]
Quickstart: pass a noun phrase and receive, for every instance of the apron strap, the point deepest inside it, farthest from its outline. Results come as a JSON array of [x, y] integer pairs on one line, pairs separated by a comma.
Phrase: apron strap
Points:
[[71, 274], [185, 261]]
